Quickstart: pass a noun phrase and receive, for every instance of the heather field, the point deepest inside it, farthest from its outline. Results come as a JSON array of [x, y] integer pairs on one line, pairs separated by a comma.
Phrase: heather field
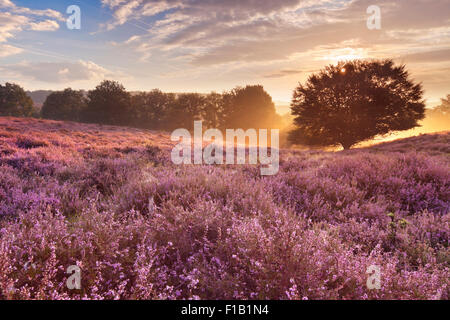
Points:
[[109, 200]]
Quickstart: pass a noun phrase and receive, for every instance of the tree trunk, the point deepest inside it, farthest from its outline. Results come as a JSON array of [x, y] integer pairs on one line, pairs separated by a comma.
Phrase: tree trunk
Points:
[[346, 146]]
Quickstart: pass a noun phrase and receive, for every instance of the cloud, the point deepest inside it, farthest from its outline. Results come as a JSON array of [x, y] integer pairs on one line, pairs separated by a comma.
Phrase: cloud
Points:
[[47, 25], [336, 26], [123, 13], [113, 3], [6, 4], [59, 72], [235, 9], [213, 31], [9, 24], [202, 25], [229, 42], [247, 39], [17, 19], [151, 9], [8, 50], [283, 73], [50, 13], [441, 55], [196, 12]]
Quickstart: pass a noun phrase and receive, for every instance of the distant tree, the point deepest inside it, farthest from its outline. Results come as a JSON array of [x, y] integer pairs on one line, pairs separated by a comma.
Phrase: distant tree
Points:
[[445, 102], [355, 101], [186, 109], [212, 110], [108, 103], [438, 118], [14, 101], [64, 105], [442, 110], [150, 109], [36, 112], [249, 107]]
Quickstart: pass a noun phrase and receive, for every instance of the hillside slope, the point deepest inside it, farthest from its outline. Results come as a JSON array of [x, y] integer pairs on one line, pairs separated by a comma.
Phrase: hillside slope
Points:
[[431, 144], [70, 134], [109, 200]]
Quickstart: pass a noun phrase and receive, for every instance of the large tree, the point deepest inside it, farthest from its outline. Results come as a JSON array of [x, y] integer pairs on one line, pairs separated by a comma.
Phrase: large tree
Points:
[[64, 105], [108, 103], [14, 101], [355, 101]]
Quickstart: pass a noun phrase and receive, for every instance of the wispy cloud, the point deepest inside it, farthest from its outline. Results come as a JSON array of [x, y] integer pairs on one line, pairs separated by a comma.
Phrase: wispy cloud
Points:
[[8, 50], [283, 73], [206, 45], [10, 24], [211, 32], [60, 72], [13, 8], [15, 19], [47, 25]]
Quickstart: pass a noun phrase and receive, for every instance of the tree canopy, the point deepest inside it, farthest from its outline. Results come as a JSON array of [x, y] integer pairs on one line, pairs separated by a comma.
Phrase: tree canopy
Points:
[[150, 109], [249, 107], [355, 101], [108, 103], [64, 105], [14, 101]]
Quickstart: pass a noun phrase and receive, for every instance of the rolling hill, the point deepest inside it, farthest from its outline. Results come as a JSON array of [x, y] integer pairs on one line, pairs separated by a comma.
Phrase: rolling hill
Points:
[[110, 201]]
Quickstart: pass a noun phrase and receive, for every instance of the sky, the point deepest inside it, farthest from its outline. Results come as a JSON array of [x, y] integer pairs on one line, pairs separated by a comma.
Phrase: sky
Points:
[[215, 45]]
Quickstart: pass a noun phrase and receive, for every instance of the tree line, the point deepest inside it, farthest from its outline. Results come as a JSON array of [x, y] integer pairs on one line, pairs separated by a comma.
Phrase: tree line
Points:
[[110, 103], [341, 105]]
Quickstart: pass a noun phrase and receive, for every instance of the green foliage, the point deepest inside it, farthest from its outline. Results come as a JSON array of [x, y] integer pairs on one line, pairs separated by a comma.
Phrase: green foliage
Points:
[[150, 109], [64, 105], [109, 103], [249, 107], [186, 109], [394, 225], [355, 101], [213, 110], [14, 101]]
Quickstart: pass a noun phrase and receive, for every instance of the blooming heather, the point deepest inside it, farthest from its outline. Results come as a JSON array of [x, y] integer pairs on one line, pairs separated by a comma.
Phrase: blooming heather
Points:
[[110, 201]]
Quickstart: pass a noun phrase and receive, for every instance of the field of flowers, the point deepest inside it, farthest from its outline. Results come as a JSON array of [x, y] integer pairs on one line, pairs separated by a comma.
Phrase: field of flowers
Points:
[[109, 200]]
